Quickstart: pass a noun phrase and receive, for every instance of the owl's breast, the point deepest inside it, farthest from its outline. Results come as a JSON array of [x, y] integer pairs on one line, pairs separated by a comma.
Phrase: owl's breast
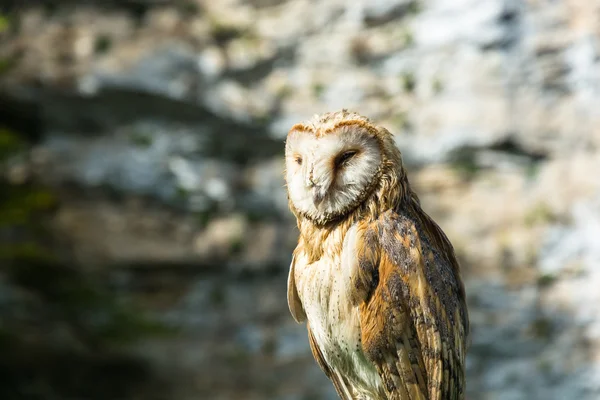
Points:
[[325, 298], [325, 291]]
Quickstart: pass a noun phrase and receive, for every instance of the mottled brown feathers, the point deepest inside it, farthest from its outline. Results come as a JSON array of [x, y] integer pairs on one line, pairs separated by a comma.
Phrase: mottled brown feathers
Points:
[[392, 268], [417, 312]]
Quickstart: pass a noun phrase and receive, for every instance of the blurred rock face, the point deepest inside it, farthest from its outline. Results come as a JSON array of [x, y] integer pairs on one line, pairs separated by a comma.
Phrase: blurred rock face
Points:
[[495, 108]]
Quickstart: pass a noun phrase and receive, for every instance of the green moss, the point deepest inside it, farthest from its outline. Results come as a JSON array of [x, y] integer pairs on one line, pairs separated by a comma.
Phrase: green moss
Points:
[[546, 280], [401, 120], [256, 215], [39, 199], [285, 91], [262, 117], [237, 356], [464, 162], [66, 293], [182, 194], [540, 214], [73, 297], [408, 82], [236, 246], [542, 328], [544, 366], [7, 64], [6, 337], [57, 283], [4, 23], [13, 217], [94, 313], [102, 44], [223, 32], [532, 170], [141, 139], [318, 89], [189, 8], [217, 296], [204, 217], [10, 142], [408, 38], [126, 324], [415, 7], [270, 346], [437, 85], [28, 252], [22, 206]]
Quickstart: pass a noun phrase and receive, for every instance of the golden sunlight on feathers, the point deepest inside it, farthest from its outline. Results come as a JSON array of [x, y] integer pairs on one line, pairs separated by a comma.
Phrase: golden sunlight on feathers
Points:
[[374, 277]]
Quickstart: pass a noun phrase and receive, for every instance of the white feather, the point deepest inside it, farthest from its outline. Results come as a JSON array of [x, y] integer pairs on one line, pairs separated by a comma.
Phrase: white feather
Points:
[[343, 185], [325, 293]]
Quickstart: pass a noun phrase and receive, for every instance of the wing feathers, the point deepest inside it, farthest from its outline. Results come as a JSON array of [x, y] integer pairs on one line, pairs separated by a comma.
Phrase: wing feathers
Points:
[[418, 306], [294, 303]]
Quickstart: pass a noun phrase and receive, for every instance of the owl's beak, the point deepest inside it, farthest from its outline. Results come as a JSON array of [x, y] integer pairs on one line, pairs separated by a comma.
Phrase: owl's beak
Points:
[[318, 195], [315, 181]]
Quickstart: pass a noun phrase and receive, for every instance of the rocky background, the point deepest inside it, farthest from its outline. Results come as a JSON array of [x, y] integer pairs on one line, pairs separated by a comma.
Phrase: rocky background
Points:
[[144, 231]]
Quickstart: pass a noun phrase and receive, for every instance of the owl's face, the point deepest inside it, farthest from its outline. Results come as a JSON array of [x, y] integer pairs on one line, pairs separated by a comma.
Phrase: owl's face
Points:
[[329, 172]]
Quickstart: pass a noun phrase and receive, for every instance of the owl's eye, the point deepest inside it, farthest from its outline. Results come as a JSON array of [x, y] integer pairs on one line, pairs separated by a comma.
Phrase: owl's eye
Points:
[[298, 160], [345, 157]]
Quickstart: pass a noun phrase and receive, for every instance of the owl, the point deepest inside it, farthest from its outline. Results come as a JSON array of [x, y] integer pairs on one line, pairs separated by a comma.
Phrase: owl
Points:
[[373, 276]]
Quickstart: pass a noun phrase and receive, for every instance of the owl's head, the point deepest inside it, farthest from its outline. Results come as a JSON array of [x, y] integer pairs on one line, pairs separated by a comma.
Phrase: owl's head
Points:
[[334, 163]]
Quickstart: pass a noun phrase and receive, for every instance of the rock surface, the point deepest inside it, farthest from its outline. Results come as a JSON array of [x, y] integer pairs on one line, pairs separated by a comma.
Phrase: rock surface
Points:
[[161, 130]]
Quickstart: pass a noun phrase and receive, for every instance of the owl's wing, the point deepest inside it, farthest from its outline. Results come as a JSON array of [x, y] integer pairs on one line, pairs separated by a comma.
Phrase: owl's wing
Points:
[[413, 318], [339, 383], [294, 303]]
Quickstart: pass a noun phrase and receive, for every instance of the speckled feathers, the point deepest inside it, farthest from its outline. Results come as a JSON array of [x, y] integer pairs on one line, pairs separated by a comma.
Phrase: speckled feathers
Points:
[[374, 276]]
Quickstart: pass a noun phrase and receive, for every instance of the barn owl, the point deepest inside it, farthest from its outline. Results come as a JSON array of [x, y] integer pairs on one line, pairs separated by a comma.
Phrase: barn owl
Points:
[[373, 276]]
